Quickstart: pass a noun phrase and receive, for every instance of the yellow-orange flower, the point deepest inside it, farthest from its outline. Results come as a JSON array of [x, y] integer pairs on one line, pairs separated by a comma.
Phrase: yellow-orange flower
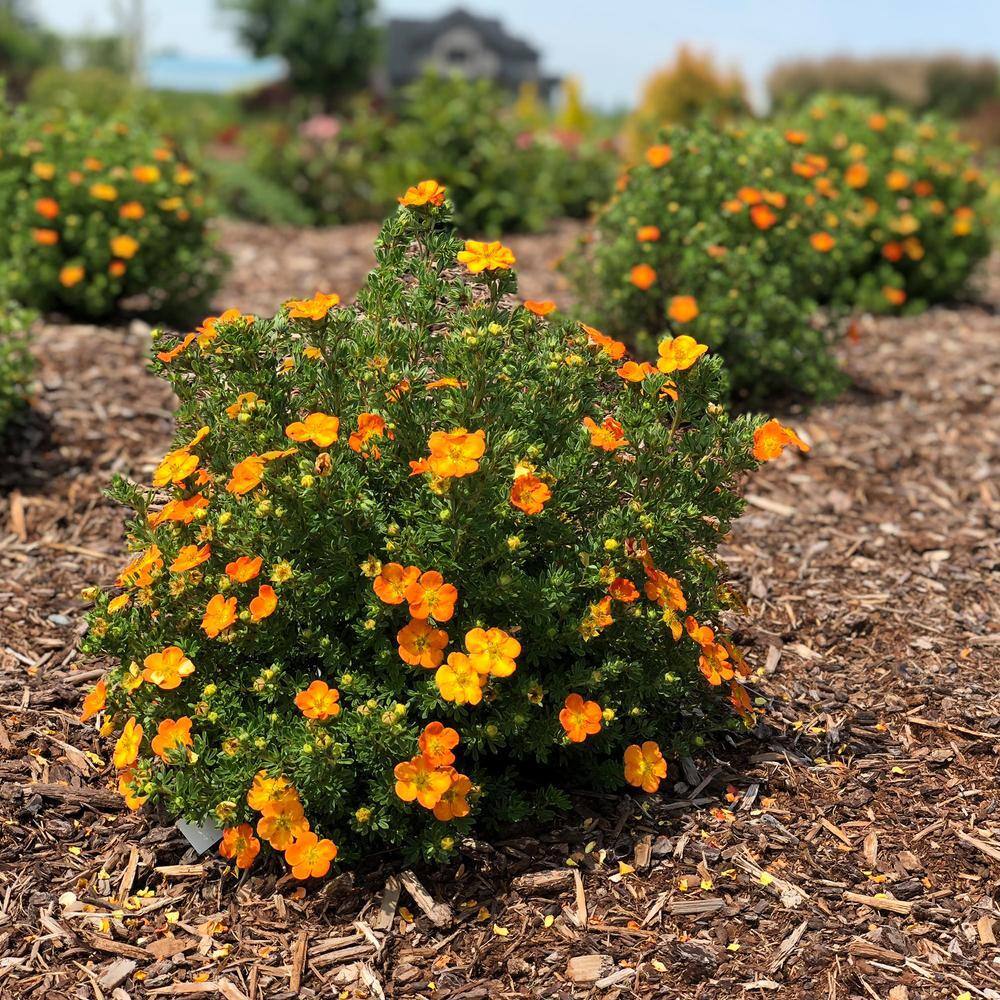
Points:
[[453, 804], [540, 307], [418, 779], [530, 494], [614, 349], [642, 276], [95, 701], [132, 210], [422, 645], [244, 569], [240, 845], [319, 428], [431, 597], [125, 247], [264, 604], [647, 234], [894, 296], [283, 823], [394, 581], [266, 790], [220, 613], [171, 734], [146, 174], [128, 791], [492, 651], [623, 589], [822, 242], [645, 767], [456, 453], [189, 557], [127, 747], [771, 439], [371, 428], [143, 569], [310, 857], [635, 371], [762, 216], [677, 354], [436, 744], [104, 192], [609, 435], [424, 193], [318, 307], [48, 208], [248, 474], [167, 668], [478, 257], [70, 275], [459, 682], [683, 308], [45, 237], [659, 155], [580, 718], [319, 701], [856, 175]]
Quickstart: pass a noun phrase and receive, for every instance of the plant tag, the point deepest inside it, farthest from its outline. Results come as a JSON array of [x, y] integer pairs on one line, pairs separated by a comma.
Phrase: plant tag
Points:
[[201, 836]]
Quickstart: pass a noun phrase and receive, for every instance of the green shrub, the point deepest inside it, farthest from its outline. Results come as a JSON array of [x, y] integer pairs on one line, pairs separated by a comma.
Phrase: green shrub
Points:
[[922, 201], [15, 361], [713, 234], [356, 495], [99, 211]]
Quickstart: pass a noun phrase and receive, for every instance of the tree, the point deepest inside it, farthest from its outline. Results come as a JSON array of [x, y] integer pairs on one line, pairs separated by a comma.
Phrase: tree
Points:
[[329, 45], [24, 46]]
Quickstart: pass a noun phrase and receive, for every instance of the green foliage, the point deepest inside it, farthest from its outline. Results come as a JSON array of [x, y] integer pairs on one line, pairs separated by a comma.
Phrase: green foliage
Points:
[[96, 211], [430, 356], [15, 361], [329, 45], [921, 199], [756, 286], [24, 46]]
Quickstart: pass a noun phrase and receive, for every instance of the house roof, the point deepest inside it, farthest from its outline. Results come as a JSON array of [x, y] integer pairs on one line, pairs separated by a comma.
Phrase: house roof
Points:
[[407, 39]]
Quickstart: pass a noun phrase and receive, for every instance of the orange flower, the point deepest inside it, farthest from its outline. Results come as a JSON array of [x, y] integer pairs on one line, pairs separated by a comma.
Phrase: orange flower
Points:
[[266, 791], [95, 701], [749, 196], [283, 823], [47, 208], [319, 428], [677, 354], [418, 779], [609, 436], [240, 845], [455, 453], [492, 651], [856, 175], [436, 744], [370, 427], [664, 590], [248, 474], [762, 217], [45, 237], [244, 569], [319, 701], [771, 439], [425, 193], [623, 590], [580, 718], [70, 275], [168, 668], [220, 613], [877, 122], [431, 597], [659, 156], [170, 735], [394, 581], [683, 308], [263, 605], [645, 767], [795, 137], [923, 188], [714, 663], [597, 618], [894, 296], [897, 180], [540, 307], [530, 494], [125, 247], [614, 349], [142, 570], [318, 307], [127, 747], [421, 645], [823, 242], [452, 804], [633, 371], [310, 857], [117, 268], [446, 383], [104, 192], [189, 557], [175, 352], [127, 790], [642, 276], [175, 467], [478, 257], [146, 174], [459, 682], [648, 234], [132, 210]]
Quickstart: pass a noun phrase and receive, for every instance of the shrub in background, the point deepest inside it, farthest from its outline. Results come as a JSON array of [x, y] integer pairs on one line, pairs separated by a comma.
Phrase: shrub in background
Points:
[[921, 199], [15, 361], [97, 211], [717, 233], [428, 561]]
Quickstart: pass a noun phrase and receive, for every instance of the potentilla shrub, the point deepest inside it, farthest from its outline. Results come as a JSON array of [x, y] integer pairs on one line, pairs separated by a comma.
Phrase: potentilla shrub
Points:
[[725, 235], [421, 564], [922, 200], [98, 211], [15, 361]]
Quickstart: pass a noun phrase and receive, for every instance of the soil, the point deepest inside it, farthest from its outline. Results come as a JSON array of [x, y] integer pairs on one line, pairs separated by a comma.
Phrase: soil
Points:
[[848, 848]]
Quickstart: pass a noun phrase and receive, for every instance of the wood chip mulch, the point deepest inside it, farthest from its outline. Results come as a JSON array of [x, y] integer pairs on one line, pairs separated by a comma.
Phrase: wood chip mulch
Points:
[[848, 848]]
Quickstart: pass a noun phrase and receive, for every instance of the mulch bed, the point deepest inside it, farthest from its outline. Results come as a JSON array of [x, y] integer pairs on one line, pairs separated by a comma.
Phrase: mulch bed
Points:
[[849, 848]]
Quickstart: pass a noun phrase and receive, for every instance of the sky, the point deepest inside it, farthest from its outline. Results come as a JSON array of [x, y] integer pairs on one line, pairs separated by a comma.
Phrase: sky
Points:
[[612, 46]]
